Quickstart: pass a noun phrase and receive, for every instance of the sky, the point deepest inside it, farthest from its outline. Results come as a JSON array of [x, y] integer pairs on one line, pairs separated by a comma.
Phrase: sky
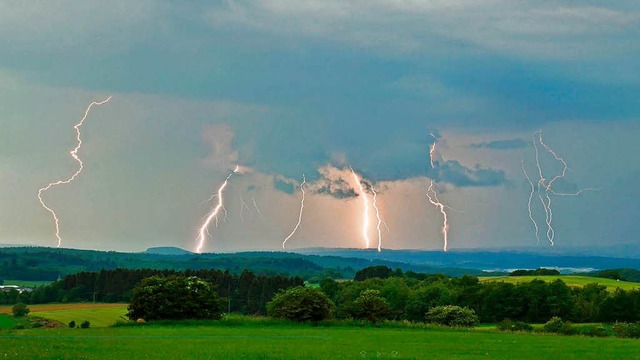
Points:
[[285, 88]]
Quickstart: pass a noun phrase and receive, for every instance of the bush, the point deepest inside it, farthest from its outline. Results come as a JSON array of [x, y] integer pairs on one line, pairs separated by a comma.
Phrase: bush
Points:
[[370, 306], [558, 326], [452, 316], [174, 298], [508, 325], [597, 331], [85, 325], [20, 310], [72, 324], [301, 304], [626, 330]]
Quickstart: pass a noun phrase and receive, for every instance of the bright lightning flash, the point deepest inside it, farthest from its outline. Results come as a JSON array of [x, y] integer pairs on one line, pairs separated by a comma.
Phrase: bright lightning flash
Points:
[[74, 155], [204, 229], [445, 224], [380, 221], [433, 197], [365, 214], [284, 243]]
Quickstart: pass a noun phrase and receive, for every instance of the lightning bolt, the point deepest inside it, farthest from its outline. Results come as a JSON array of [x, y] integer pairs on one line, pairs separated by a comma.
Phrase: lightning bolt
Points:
[[432, 149], [255, 205], [533, 191], [74, 155], [243, 206], [445, 224], [380, 221], [204, 229], [548, 213], [545, 190], [304, 181], [432, 195], [365, 204]]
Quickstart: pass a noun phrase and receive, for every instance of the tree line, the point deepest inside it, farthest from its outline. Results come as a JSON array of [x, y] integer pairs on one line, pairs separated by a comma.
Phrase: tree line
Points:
[[246, 292], [410, 296], [402, 295]]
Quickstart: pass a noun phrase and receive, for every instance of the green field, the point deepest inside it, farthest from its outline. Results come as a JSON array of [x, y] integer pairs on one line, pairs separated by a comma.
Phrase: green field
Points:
[[6, 321], [288, 341], [571, 280], [98, 317]]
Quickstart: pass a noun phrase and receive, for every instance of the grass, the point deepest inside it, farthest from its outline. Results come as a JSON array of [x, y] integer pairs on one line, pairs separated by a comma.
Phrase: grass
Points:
[[571, 280], [281, 340], [6, 321], [26, 283], [58, 307], [98, 317]]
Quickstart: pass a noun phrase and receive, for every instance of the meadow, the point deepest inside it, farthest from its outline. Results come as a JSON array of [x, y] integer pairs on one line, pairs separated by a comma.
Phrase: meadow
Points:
[[571, 280], [6, 321], [281, 340]]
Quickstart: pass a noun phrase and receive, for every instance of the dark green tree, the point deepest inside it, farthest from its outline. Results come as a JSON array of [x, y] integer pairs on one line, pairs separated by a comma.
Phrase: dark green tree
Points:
[[174, 298], [452, 315], [20, 310], [381, 272], [371, 306], [301, 304]]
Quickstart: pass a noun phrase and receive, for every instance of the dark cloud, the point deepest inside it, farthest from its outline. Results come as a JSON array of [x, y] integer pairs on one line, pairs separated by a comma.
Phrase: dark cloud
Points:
[[337, 188], [285, 187], [501, 144], [456, 174]]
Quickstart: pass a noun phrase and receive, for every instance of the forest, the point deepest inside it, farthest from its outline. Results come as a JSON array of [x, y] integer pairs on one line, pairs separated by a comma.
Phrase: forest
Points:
[[409, 294]]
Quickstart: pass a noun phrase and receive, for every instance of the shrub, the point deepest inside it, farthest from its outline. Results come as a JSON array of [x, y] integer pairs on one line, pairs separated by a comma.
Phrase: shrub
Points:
[[174, 298], [370, 306], [452, 316], [597, 331], [508, 325], [301, 304], [85, 325], [554, 325], [72, 324], [558, 326], [20, 310], [626, 330]]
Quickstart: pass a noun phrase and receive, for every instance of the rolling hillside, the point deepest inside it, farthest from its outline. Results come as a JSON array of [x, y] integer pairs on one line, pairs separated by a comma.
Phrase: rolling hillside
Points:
[[571, 280]]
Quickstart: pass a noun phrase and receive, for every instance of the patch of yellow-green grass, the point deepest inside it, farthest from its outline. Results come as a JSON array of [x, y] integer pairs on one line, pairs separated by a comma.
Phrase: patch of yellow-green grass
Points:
[[571, 280], [56, 307], [98, 317]]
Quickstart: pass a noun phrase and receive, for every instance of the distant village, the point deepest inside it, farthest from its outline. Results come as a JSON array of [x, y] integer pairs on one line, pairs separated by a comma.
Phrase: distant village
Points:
[[20, 289]]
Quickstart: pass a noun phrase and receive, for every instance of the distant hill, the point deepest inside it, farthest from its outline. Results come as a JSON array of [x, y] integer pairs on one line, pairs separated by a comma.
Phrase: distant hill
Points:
[[46, 264], [167, 250], [501, 261]]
